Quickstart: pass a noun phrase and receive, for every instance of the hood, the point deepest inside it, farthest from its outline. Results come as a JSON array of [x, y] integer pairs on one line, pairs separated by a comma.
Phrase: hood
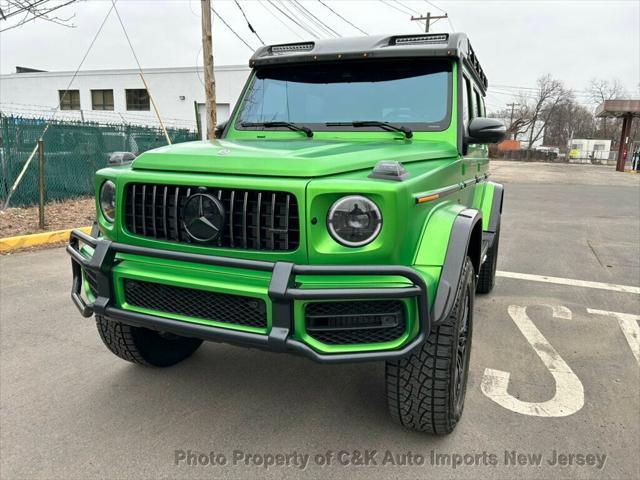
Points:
[[287, 158]]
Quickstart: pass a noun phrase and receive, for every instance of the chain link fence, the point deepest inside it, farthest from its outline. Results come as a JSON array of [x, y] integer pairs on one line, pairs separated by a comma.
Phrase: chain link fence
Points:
[[73, 152]]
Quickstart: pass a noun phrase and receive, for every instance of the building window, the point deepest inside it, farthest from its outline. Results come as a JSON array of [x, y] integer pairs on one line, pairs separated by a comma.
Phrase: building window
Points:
[[137, 99], [69, 99], [102, 99]]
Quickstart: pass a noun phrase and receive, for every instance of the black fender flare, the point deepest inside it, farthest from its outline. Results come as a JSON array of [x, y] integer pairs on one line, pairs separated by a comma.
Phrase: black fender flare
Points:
[[465, 240]]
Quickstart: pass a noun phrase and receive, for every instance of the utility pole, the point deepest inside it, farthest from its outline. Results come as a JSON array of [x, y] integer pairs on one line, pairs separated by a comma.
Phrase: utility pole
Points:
[[209, 79], [512, 105], [429, 19]]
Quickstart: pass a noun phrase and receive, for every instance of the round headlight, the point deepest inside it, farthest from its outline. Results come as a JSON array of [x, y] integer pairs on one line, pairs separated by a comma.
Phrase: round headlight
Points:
[[108, 200], [354, 221]]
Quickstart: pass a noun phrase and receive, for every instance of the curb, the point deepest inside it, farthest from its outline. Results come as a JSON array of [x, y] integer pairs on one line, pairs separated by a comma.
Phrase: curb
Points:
[[9, 244]]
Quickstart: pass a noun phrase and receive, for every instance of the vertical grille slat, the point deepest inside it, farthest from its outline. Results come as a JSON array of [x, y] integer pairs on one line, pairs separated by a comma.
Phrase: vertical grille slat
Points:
[[164, 212], [144, 213], [176, 233], [258, 217], [133, 210], [244, 219], [273, 221], [254, 219], [231, 202], [185, 236], [153, 212], [286, 222]]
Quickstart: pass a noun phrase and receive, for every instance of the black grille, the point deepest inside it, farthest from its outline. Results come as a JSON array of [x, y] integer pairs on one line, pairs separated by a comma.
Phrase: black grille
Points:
[[255, 220], [235, 309], [343, 323]]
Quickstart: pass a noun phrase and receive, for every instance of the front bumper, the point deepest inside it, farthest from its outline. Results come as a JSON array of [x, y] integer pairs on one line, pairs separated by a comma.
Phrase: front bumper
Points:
[[282, 292]]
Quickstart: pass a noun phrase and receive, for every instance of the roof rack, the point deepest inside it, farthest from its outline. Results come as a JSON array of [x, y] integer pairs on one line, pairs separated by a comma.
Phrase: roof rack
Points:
[[474, 64]]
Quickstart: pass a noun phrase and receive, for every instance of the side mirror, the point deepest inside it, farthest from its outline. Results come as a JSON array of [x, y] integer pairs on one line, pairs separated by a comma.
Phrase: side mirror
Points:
[[220, 128], [120, 158], [486, 130]]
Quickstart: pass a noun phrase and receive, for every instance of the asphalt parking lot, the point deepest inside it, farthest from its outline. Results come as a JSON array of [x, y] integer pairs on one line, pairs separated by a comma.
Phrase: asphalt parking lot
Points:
[[554, 386]]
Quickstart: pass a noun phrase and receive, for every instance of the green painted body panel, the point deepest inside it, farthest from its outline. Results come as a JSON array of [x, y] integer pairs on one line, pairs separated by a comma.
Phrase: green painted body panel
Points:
[[317, 171], [486, 204]]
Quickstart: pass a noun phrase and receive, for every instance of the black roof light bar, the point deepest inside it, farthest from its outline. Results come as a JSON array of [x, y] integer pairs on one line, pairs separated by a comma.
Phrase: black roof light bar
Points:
[[419, 39], [291, 48]]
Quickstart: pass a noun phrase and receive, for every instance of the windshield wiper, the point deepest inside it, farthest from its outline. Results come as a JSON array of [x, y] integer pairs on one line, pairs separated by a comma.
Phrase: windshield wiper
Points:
[[373, 123], [291, 126]]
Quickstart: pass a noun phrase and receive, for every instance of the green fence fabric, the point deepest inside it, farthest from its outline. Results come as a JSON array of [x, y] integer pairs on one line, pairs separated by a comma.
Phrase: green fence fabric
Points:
[[73, 152]]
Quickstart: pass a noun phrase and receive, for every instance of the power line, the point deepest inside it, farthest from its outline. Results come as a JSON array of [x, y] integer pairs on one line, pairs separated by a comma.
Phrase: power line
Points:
[[434, 6], [295, 12], [388, 4], [315, 19], [391, 5], [249, 23], [38, 15], [279, 20], [232, 30], [405, 6], [453, 28], [21, 8], [340, 16], [275, 5], [514, 87], [310, 26]]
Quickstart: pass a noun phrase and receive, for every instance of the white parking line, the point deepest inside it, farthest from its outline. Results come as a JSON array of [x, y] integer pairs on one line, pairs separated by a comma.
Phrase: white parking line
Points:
[[569, 281], [628, 324], [569, 396]]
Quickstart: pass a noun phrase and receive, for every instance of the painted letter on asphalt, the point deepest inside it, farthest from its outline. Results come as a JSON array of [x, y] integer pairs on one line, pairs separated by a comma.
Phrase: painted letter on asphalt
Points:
[[569, 396]]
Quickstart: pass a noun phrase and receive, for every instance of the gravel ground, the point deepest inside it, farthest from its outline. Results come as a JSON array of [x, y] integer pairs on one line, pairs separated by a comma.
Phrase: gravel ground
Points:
[[78, 212]]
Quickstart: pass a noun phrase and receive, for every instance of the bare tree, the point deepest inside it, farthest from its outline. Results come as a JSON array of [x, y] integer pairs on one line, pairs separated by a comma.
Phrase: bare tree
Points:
[[600, 90], [15, 13], [542, 104]]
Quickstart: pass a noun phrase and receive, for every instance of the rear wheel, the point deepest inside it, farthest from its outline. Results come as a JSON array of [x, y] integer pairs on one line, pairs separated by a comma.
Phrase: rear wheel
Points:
[[143, 346], [426, 390], [487, 277]]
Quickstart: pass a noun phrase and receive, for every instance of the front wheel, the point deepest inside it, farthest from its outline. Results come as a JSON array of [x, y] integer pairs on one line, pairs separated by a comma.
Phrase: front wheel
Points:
[[426, 390], [143, 346]]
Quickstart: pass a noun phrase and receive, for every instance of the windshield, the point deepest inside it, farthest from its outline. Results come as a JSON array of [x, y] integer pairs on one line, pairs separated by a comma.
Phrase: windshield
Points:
[[411, 92]]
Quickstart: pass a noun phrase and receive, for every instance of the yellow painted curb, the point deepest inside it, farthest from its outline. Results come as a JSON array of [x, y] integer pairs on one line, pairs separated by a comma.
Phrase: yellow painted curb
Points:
[[9, 244]]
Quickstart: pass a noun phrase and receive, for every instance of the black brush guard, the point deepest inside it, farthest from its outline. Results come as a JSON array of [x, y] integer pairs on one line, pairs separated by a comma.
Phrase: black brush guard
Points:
[[282, 292]]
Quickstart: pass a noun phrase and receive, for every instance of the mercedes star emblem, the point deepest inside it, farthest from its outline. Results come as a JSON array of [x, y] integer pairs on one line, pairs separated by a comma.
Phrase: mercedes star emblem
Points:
[[203, 217]]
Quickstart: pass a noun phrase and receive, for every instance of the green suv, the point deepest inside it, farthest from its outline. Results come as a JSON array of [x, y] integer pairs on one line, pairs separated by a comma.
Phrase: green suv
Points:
[[343, 214]]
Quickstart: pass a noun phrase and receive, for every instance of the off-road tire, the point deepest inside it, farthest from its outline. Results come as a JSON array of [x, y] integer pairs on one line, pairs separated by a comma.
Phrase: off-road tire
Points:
[[423, 390], [143, 346], [487, 277]]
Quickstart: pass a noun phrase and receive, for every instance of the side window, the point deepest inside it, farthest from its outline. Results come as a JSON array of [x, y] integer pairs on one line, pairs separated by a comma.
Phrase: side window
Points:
[[479, 104]]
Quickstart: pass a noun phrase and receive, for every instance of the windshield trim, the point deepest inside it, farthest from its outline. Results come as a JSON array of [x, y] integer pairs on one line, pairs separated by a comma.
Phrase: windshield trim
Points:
[[416, 127]]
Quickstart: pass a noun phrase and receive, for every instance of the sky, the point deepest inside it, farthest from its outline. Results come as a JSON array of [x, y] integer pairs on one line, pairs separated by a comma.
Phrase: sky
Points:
[[516, 41]]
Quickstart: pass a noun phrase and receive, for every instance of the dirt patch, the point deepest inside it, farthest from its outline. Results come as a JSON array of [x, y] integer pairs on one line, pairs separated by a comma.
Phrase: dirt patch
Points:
[[79, 212]]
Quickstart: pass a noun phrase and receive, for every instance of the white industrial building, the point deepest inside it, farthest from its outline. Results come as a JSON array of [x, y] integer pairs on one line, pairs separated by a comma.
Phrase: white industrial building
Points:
[[119, 96], [588, 149]]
